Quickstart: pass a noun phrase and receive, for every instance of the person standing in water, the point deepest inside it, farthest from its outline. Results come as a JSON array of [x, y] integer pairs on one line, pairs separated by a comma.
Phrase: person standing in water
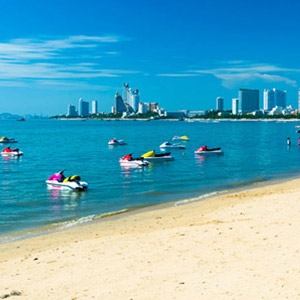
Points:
[[288, 141]]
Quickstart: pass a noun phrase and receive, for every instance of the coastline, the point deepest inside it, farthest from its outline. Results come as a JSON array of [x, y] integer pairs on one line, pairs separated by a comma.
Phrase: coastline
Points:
[[237, 245], [87, 220], [180, 120]]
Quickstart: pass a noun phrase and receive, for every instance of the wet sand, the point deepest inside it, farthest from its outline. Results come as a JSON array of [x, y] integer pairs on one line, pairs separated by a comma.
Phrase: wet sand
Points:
[[243, 245]]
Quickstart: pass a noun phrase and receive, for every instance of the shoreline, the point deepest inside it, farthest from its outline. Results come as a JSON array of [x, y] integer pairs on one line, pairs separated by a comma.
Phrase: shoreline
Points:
[[87, 220], [241, 245], [180, 120]]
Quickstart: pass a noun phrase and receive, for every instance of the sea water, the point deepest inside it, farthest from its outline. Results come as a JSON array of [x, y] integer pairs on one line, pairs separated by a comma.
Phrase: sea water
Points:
[[253, 151]]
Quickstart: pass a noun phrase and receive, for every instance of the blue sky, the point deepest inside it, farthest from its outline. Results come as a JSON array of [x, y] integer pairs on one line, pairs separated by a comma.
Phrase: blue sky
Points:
[[182, 54]]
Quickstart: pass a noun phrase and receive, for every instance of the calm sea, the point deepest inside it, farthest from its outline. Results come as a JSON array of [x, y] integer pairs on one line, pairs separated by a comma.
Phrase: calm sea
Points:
[[253, 151]]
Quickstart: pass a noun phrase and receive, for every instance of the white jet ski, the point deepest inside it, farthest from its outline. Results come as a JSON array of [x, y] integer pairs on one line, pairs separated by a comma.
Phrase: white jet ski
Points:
[[11, 152], [128, 160], [151, 156], [115, 142], [205, 151], [170, 145], [181, 138], [59, 181]]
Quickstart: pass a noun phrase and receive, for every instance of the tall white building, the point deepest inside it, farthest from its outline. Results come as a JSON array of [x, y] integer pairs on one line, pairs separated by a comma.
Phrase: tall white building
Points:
[[142, 108], [235, 106], [269, 102], [248, 100], [274, 98], [94, 107], [83, 108], [135, 100], [220, 103], [298, 101], [131, 98], [71, 111]]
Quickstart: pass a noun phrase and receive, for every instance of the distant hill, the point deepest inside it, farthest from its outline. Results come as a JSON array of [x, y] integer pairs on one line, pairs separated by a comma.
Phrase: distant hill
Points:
[[8, 116]]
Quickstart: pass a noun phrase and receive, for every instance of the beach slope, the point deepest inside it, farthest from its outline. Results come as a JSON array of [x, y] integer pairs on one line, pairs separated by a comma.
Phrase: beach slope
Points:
[[244, 245]]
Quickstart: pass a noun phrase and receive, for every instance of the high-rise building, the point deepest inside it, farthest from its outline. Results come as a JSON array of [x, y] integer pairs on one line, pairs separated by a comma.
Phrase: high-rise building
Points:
[[83, 108], [274, 98], [94, 107], [125, 92], [220, 103], [235, 106], [135, 100], [142, 108], [279, 98], [119, 103], [248, 100], [71, 111], [131, 98], [269, 102], [298, 101]]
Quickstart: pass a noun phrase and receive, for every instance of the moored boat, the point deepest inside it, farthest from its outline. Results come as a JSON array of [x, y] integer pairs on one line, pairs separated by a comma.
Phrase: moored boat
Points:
[[170, 145]]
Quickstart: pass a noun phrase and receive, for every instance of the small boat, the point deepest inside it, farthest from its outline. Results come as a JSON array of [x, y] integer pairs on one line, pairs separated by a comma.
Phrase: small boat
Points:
[[170, 145], [181, 138], [11, 152], [151, 156], [205, 151], [21, 120], [59, 181], [5, 140], [128, 160], [115, 142], [297, 126]]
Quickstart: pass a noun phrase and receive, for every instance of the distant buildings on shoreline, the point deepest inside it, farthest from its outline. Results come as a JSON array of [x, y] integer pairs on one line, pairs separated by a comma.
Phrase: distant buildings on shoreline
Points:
[[83, 109], [248, 102]]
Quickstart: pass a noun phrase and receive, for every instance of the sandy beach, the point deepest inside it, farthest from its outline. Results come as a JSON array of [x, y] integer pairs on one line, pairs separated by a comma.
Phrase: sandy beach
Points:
[[243, 245]]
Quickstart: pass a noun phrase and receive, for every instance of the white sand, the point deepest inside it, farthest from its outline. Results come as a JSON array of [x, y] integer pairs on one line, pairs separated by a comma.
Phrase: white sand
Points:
[[240, 246]]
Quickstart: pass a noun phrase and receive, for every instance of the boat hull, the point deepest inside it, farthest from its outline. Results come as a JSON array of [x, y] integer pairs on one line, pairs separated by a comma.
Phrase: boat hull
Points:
[[20, 153], [70, 185], [217, 152]]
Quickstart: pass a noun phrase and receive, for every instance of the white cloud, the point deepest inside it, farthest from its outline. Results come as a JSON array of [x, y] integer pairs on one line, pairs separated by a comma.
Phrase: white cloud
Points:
[[177, 75], [60, 58], [239, 72]]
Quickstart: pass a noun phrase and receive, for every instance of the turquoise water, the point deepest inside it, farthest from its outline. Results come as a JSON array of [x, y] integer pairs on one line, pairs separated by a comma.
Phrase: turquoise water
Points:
[[253, 151]]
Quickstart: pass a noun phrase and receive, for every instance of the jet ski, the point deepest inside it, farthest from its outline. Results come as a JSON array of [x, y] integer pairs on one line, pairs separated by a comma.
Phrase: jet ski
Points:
[[5, 140], [170, 145], [151, 156], [128, 160], [115, 142], [205, 151], [11, 152], [181, 138], [59, 181]]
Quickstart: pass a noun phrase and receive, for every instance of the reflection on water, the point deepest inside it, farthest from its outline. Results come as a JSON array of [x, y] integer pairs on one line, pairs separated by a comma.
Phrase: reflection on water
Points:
[[63, 199]]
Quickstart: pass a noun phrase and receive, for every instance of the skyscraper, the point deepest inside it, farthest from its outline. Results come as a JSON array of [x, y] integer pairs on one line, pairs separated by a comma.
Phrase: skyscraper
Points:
[[249, 100], [131, 98], [126, 92], [83, 108], [279, 98], [135, 100], [71, 111], [269, 102], [235, 106], [119, 103], [94, 107], [298, 101], [220, 104]]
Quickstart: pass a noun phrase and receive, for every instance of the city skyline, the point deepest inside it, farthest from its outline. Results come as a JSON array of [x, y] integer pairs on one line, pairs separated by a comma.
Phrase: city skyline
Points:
[[194, 52]]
